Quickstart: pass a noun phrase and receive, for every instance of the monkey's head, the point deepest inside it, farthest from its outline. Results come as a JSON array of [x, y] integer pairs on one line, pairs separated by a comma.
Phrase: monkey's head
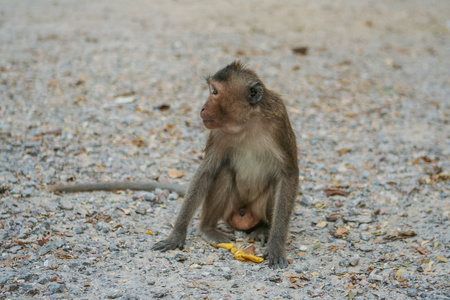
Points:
[[234, 95]]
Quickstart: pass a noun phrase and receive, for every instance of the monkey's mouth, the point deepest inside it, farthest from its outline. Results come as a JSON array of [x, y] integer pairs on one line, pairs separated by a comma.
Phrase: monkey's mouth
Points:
[[210, 124]]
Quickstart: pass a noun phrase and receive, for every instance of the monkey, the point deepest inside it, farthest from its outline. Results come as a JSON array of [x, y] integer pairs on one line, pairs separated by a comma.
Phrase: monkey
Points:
[[250, 163], [249, 176]]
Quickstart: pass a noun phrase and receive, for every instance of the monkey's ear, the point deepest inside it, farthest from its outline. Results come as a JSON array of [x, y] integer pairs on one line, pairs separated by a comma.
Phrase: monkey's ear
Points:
[[255, 92]]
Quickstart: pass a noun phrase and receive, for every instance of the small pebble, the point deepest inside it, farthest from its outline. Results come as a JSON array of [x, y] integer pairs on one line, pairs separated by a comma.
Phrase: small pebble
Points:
[[354, 261], [306, 200], [56, 287], [412, 292], [114, 294], [366, 247]]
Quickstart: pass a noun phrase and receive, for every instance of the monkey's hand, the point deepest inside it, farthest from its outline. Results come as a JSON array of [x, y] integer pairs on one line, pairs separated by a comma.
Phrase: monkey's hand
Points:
[[276, 256], [260, 233], [172, 242]]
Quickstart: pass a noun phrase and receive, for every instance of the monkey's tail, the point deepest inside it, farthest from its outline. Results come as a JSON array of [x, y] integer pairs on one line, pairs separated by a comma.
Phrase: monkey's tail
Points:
[[117, 186]]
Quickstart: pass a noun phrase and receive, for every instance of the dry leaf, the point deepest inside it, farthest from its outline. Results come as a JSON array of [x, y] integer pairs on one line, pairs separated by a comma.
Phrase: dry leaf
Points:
[[422, 250], [407, 233], [425, 159], [441, 177], [399, 272], [173, 173], [341, 232], [139, 142], [51, 132], [86, 284], [149, 232], [249, 250], [6, 263], [351, 296], [380, 212], [441, 258], [126, 211], [163, 107], [322, 224], [344, 151], [117, 227], [168, 127], [350, 287], [400, 235], [296, 281], [332, 192], [334, 217], [43, 240], [300, 50], [301, 253]]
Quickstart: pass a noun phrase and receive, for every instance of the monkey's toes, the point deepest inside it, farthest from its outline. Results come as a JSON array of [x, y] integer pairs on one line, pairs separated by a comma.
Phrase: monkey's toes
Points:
[[213, 235], [260, 234], [165, 245], [276, 261]]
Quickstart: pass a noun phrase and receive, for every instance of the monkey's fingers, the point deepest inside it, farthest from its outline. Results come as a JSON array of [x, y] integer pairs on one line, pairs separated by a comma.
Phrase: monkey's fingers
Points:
[[165, 245], [276, 262], [260, 236]]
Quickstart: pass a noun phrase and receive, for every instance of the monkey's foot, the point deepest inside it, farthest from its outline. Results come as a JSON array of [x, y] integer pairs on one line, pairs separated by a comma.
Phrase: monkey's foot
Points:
[[213, 235], [276, 257], [260, 234], [169, 244]]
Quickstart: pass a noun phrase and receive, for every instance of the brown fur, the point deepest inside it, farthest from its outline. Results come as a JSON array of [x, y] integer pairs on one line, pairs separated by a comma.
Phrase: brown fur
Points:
[[250, 163]]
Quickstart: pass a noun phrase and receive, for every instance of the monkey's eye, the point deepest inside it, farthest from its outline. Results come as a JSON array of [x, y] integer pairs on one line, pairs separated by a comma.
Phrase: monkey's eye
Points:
[[213, 90]]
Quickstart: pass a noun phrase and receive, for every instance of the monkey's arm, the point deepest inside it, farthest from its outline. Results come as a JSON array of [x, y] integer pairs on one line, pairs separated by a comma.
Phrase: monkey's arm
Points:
[[116, 186], [196, 193], [284, 205]]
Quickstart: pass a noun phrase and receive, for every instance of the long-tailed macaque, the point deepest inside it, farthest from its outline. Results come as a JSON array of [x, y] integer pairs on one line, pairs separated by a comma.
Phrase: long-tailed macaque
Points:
[[250, 163], [249, 175]]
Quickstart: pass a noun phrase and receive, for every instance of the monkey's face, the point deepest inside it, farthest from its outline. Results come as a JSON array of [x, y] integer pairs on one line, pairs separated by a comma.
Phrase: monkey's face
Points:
[[230, 105]]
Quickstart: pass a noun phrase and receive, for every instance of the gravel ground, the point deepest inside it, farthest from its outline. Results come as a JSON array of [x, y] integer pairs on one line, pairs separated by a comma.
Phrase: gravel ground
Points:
[[108, 90]]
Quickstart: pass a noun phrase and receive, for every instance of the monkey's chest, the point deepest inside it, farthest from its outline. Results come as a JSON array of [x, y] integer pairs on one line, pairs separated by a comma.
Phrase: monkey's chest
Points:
[[253, 171]]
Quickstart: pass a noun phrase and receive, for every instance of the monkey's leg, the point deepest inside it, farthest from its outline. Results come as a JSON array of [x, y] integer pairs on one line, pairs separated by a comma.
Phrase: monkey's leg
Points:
[[196, 193], [284, 204], [216, 207]]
